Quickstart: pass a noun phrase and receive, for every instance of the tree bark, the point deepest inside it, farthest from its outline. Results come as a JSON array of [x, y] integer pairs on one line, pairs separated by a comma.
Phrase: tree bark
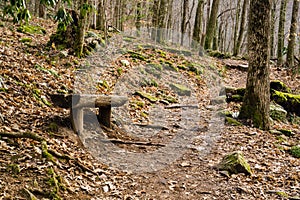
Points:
[[242, 28], [80, 32], [280, 42], [211, 24], [185, 10], [292, 36], [256, 104], [198, 24]]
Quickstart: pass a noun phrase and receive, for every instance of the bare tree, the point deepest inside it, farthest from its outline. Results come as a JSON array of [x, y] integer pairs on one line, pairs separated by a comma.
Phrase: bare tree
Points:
[[280, 42], [292, 35], [211, 24], [256, 104]]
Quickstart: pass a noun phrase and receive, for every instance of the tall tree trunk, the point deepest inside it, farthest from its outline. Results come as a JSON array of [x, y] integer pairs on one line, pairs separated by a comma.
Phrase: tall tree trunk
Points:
[[138, 17], [242, 28], [236, 26], [280, 42], [211, 24], [197, 32], [155, 16], [100, 16], [293, 34], [185, 10], [272, 29], [161, 20], [170, 19], [80, 32], [256, 104]]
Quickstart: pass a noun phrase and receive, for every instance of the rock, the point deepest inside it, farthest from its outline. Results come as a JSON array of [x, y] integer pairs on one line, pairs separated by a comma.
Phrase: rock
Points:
[[232, 122], [145, 95], [279, 86], [125, 62], [181, 90], [277, 112], [290, 102], [218, 100], [234, 163], [286, 132]]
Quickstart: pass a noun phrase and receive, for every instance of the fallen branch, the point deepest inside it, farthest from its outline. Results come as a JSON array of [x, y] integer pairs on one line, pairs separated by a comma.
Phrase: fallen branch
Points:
[[23, 135]]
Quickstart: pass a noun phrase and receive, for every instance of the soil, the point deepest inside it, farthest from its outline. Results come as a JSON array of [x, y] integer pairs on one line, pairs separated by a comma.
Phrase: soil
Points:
[[155, 150]]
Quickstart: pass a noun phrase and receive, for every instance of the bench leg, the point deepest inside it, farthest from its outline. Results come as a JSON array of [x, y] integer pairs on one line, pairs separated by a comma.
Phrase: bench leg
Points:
[[77, 119], [104, 116]]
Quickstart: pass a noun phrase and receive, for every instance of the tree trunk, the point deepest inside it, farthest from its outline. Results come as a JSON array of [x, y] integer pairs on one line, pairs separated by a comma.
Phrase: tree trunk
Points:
[[100, 16], [80, 32], [161, 20], [138, 17], [185, 10], [155, 16], [272, 29], [292, 36], [256, 104], [236, 26], [280, 43], [211, 24], [197, 32], [242, 28]]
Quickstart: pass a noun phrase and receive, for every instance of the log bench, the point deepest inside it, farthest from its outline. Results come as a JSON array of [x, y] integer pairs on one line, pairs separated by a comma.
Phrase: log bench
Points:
[[78, 102]]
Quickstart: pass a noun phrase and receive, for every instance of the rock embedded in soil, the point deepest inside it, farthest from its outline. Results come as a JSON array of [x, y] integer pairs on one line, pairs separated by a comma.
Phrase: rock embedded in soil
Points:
[[181, 90], [235, 163], [277, 112]]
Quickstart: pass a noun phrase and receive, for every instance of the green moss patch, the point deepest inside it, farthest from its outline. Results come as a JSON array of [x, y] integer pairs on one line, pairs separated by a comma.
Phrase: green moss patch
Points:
[[235, 163], [233, 122], [31, 29], [295, 151], [290, 102], [279, 86], [181, 90], [147, 96]]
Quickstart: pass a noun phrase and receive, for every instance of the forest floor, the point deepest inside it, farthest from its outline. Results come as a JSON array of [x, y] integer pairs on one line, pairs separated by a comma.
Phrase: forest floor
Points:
[[174, 157]]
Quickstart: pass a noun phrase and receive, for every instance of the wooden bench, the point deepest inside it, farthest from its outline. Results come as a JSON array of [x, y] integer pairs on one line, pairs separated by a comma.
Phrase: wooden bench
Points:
[[77, 102]]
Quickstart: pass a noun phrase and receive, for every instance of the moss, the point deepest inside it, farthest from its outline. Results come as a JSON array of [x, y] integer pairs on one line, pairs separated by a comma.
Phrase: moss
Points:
[[104, 84], [279, 86], [236, 98], [26, 40], [182, 67], [154, 69], [277, 112], [282, 194], [149, 82], [290, 102], [161, 53], [137, 56], [147, 96], [31, 29], [235, 163], [232, 122], [14, 168], [119, 71], [53, 127], [197, 69], [286, 132], [218, 54], [170, 66], [181, 90], [170, 99], [178, 51], [295, 151]]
